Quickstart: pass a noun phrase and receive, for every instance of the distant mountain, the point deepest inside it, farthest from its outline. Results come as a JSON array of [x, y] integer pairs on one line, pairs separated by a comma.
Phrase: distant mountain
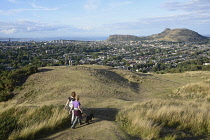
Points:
[[184, 35], [176, 35], [123, 38]]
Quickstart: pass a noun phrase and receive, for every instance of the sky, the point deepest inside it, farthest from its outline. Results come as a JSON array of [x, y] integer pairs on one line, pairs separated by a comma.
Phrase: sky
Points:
[[94, 18]]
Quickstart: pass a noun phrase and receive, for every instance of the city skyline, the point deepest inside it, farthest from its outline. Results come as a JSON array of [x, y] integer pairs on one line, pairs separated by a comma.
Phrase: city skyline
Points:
[[94, 18]]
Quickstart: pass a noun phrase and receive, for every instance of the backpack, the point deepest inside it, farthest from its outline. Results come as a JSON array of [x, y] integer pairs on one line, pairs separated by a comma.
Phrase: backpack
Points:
[[71, 101]]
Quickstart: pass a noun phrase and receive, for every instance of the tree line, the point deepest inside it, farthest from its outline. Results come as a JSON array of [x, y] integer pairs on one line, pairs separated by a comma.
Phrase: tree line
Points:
[[193, 65], [9, 80]]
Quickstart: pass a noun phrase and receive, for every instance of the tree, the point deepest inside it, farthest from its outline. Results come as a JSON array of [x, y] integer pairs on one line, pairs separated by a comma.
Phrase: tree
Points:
[[95, 55]]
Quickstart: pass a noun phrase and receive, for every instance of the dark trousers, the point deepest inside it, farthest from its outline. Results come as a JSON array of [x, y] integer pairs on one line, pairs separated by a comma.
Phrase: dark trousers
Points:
[[77, 119]]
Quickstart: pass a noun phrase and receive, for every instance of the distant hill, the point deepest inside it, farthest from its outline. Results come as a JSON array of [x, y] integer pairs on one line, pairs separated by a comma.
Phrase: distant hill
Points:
[[123, 38], [184, 35], [176, 35]]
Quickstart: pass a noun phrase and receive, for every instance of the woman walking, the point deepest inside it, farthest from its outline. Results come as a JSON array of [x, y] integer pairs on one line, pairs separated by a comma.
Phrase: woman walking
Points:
[[69, 103], [77, 112]]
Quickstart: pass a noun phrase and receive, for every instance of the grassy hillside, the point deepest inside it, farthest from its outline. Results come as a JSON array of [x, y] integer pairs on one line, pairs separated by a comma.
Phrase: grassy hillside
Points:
[[166, 119], [177, 35], [123, 38], [180, 114], [37, 108], [54, 84]]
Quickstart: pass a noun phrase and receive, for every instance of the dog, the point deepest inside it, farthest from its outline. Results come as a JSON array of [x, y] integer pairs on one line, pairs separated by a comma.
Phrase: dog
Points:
[[89, 118]]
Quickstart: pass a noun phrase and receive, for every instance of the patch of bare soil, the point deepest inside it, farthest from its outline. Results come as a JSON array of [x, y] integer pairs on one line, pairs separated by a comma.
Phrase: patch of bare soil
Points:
[[103, 127]]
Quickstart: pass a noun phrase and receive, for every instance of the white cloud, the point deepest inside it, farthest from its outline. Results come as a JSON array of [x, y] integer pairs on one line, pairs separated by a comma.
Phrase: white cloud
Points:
[[190, 20], [87, 28], [119, 4], [32, 7], [9, 31], [25, 26], [33, 27], [36, 7], [92, 5], [15, 11], [190, 5], [191, 12], [13, 1]]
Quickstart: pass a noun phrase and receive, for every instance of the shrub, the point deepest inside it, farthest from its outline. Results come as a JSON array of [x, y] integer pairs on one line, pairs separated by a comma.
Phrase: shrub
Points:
[[9, 80]]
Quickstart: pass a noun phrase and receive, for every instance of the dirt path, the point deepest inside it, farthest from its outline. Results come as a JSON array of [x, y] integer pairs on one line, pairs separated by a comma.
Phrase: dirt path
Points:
[[103, 127]]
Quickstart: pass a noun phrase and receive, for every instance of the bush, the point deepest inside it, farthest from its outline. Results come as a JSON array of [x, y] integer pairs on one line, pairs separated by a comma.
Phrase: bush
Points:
[[9, 80], [5, 95]]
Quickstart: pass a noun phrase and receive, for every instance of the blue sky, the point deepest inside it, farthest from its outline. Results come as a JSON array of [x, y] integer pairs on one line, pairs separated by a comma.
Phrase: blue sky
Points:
[[91, 18]]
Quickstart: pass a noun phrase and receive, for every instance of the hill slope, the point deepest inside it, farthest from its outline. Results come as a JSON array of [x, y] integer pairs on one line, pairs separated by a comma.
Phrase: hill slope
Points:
[[56, 83], [103, 90], [176, 35], [123, 38], [184, 35]]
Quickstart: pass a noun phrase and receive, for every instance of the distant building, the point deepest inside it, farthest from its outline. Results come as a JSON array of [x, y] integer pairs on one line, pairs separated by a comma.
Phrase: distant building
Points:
[[206, 64], [122, 67], [49, 51]]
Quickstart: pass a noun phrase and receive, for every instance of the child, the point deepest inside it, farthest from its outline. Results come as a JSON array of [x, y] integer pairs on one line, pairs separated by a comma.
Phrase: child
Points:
[[77, 112]]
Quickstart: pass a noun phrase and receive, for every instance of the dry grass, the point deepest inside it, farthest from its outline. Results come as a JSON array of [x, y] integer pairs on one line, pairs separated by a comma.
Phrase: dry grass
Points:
[[54, 84], [196, 91], [147, 119], [103, 88], [33, 122]]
